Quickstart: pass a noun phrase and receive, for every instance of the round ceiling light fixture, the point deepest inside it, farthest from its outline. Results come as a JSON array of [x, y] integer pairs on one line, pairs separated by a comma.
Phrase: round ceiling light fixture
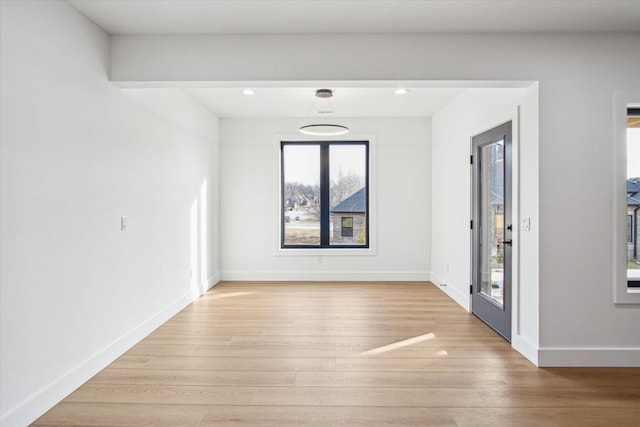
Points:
[[249, 92], [324, 129], [324, 93], [402, 91]]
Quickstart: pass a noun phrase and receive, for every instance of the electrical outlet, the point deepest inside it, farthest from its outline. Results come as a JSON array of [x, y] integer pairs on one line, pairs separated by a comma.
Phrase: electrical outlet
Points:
[[525, 224], [123, 223]]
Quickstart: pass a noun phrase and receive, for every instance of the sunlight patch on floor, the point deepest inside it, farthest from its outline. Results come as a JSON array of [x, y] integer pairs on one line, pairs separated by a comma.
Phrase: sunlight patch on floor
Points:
[[229, 295], [399, 344]]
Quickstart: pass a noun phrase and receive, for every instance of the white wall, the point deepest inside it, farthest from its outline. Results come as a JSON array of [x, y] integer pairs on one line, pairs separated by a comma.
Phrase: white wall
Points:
[[578, 75], [76, 154], [473, 112], [400, 195]]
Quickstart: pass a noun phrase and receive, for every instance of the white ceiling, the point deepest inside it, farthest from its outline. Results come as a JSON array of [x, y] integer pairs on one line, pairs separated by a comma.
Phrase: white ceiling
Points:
[[346, 102], [359, 16], [153, 17]]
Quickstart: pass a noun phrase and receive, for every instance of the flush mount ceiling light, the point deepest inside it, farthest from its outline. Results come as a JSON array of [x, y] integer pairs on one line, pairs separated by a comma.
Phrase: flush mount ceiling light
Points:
[[402, 91], [249, 92], [324, 129]]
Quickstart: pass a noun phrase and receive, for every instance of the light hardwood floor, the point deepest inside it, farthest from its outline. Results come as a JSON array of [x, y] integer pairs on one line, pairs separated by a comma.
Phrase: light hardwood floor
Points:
[[339, 354]]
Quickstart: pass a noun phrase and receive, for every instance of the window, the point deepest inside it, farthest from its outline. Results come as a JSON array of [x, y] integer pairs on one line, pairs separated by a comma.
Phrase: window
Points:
[[324, 194], [347, 226], [633, 197], [626, 137]]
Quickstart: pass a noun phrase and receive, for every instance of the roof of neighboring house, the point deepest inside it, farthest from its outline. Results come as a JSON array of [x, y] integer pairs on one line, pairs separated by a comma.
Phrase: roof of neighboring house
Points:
[[633, 199], [357, 202]]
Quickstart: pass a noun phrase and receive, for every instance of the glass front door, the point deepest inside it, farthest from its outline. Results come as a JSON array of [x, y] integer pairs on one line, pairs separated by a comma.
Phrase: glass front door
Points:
[[492, 228]]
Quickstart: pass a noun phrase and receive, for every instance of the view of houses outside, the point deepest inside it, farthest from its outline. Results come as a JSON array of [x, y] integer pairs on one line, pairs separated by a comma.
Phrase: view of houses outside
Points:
[[349, 220], [633, 198], [301, 175], [347, 194], [492, 211]]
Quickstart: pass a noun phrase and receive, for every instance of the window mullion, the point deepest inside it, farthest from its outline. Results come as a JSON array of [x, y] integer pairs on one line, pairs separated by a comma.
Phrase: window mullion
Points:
[[325, 184]]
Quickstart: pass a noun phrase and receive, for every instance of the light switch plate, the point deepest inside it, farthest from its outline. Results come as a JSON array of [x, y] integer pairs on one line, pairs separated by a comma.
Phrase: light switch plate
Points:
[[526, 224], [123, 223]]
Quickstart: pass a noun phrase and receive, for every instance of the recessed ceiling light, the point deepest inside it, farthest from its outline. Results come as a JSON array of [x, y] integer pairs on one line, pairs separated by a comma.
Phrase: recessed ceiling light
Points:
[[249, 92], [402, 91]]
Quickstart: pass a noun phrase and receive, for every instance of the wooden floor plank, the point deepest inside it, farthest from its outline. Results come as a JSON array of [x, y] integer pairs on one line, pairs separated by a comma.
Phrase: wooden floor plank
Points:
[[106, 414], [278, 416], [339, 354], [545, 417], [400, 379], [276, 396], [317, 350], [227, 363], [433, 364], [194, 377]]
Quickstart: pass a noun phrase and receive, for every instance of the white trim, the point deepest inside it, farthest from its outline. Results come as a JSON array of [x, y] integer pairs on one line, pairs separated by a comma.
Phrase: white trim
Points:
[[620, 291], [525, 348], [463, 299], [202, 287], [515, 224], [518, 342], [337, 251], [589, 357], [373, 225], [278, 84], [329, 276], [213, 280], [41, 401]]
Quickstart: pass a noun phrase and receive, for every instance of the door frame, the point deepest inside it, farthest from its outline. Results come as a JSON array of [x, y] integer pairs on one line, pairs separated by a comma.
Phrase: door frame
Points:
[[499, 319]]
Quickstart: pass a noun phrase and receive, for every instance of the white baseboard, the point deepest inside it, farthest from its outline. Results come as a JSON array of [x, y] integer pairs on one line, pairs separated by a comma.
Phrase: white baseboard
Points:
[[525, 348], [589, 357], [461, 298], [329, 276], [40, 402], [213, 280]]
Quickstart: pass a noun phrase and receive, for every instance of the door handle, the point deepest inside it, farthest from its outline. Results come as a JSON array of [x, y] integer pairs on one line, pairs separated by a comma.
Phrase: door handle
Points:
[[506, 242]]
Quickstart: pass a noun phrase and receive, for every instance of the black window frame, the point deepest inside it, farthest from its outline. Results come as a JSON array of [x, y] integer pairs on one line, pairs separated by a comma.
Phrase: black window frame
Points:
[[325, 183], [632, 284]]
